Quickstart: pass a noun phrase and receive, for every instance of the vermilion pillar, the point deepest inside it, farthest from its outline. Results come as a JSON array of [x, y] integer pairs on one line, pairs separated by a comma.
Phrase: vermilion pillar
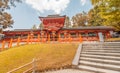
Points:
[[80, 38], [28, 39], [18, 41], [10, 44], [38, 37], [59, 37], [3, 45], [53, 35], [69, 38], [65, 34], [48, 37]]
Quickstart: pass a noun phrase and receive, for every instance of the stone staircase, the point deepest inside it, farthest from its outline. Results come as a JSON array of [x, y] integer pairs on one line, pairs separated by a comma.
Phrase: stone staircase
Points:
[[100, 57]]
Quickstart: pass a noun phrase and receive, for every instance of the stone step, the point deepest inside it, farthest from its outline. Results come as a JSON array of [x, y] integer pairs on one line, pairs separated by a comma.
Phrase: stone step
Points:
[[101, 47], [101, 43], [104, 51], [100, 64], [94, 68], [102, 54], [101, 50], [104, 61], [101, 57]]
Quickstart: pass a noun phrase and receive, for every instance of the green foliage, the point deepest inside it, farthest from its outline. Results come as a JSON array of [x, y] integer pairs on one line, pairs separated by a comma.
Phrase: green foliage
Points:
[[80, 19], [107, 11], [95, 19], [34, 27], [41, 26], [94, 1], [5, 18], [67, 22]]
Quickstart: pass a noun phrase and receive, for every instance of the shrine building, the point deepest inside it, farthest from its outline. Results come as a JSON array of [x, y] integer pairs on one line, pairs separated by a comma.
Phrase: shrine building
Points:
[[54, 30]]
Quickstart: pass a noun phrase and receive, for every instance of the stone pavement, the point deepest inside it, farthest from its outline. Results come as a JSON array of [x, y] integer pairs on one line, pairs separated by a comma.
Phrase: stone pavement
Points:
[[69, 71]]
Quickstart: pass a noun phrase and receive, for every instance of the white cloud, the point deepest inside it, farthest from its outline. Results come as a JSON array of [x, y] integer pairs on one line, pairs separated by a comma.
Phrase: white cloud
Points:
[[55, 5], [83, 2]]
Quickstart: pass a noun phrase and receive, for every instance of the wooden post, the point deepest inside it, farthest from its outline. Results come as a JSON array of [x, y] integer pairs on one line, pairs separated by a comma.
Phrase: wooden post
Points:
[[10, 44], [28, 39], [58, 37], [34, 66], [38, 37], [41, 39], [31, 37], [42, 36], [53, 35], [77, 34], [65, 36], [48, 37], [81, 40], [3, 45], [18, 41], [69, 38]]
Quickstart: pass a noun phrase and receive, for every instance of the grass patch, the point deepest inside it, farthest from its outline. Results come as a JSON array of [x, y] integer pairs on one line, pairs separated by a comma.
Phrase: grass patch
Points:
[[57, 54]]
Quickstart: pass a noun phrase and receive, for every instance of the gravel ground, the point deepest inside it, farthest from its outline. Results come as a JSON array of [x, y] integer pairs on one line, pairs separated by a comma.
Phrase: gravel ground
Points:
[[69, 71]]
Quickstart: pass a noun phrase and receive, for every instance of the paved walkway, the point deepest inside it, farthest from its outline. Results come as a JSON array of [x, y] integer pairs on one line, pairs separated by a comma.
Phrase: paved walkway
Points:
[[69, 71]]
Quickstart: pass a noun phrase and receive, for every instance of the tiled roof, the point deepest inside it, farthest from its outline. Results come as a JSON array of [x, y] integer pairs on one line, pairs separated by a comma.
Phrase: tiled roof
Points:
[[89, 27], [78, 28], [53, 16]]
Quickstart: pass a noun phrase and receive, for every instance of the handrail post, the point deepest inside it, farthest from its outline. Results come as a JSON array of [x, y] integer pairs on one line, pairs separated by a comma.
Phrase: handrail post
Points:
[[34, 66]]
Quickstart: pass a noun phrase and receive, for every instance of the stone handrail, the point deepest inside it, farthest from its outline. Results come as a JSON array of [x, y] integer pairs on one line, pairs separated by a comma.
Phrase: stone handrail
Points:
[[77, 55]]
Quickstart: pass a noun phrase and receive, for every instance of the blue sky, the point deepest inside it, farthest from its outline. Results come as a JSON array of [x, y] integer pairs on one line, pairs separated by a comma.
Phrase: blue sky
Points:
[[26, 14]]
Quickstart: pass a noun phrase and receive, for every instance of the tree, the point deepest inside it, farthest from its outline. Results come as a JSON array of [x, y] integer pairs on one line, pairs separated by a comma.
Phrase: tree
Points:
[[94, 2], [67, 22], [112, 14], [80, 19], [94, 19], [34, 27], [41, 26], [5, 18], [109, 10]]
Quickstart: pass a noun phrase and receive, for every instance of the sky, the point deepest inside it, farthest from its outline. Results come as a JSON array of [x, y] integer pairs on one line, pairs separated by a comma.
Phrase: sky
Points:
[[26, 14]]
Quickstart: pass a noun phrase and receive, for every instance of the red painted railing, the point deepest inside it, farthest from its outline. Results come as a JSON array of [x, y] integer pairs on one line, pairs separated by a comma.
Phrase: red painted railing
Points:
[[29, 39]]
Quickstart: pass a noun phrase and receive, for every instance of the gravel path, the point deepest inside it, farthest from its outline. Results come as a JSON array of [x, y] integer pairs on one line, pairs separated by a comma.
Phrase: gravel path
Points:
[[68, 71]]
